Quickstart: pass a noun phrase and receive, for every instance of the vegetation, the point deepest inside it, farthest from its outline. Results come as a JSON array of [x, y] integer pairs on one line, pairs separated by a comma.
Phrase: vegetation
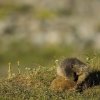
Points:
[[27, 70], [33, 81]]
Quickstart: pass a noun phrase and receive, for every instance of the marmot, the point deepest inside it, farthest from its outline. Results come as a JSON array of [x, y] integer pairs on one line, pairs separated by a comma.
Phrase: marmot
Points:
[[93, 79], [59, 84], [73, 68]]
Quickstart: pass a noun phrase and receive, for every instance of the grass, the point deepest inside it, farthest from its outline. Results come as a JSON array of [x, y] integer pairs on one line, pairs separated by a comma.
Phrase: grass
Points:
[[34, 84], [30, 54], [32, 69]]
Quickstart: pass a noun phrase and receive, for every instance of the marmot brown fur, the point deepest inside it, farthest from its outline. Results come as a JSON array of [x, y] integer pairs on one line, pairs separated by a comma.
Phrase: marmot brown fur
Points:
[[60, 84]]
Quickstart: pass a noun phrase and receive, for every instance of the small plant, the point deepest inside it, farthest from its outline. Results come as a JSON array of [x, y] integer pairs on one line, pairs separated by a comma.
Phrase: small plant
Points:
[[9, 71], [18, 67]]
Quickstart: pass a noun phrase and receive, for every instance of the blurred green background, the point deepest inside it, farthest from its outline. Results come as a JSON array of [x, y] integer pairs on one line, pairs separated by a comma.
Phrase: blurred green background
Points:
[[41, 31]]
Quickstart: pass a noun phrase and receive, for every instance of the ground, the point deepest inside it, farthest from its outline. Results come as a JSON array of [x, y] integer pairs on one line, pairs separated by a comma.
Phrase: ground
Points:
[[34, 84]]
